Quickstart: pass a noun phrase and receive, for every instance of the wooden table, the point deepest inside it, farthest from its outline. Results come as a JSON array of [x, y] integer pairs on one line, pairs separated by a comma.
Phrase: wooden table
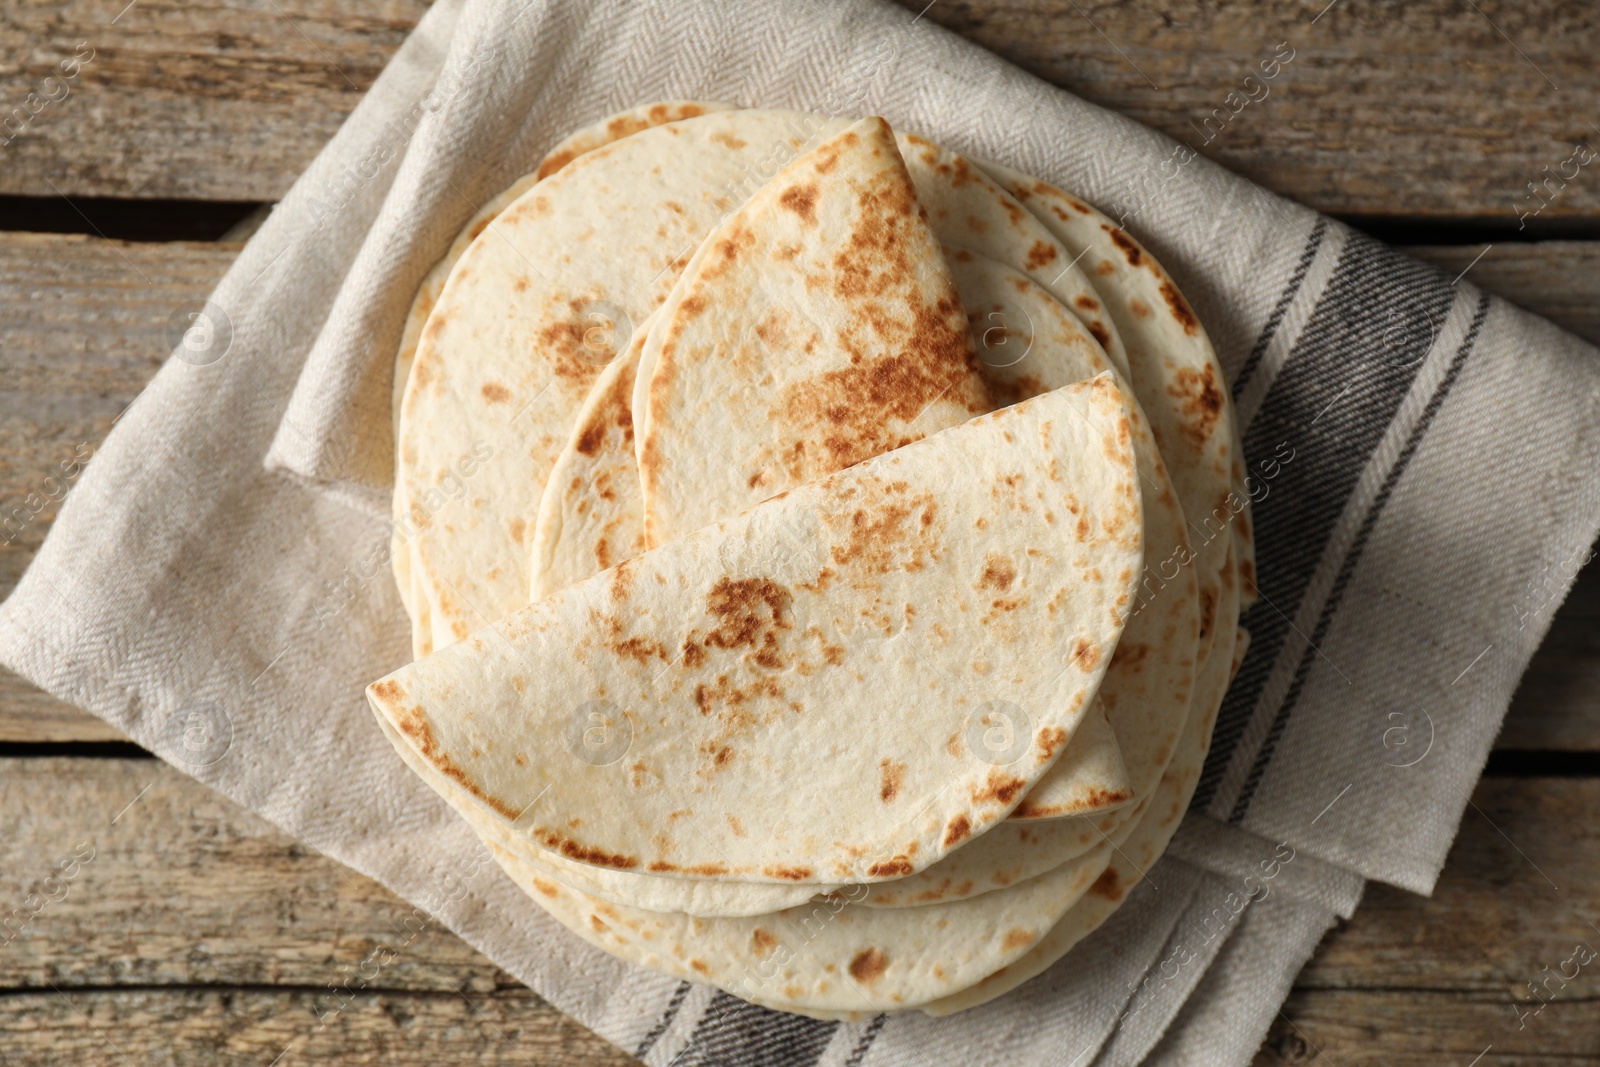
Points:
[[199, 934]]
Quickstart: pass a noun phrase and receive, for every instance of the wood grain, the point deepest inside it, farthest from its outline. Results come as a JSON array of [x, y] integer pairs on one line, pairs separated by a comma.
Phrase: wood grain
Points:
[[1433, 109], [197, 926], [1420, 109], [191, 927], [209, 101]]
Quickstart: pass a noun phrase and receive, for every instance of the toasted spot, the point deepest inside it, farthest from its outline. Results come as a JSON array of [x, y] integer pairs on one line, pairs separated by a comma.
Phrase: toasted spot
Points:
[[495, 393], [1107, 886], [1041, 254], [890, 775], [897, 867], [1087, 303], [1084, 654], [868, 965], [998, 573], [1202, 401], [789, 874], [546, 888], [1016, 939], [1130, 250], [956, 831], [762, 942], [1179, 307], [802, 200], [999, 787]]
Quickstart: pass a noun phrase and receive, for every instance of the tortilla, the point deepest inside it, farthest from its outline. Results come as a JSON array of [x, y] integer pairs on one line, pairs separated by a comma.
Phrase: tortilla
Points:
[[585, 140], [689, 896], [686, 642], [970, 210], [622, 124], [815, 327], [528, 317], [591, 516], [831, 957], [1147, 689], [1169, 355], [1141, 841]]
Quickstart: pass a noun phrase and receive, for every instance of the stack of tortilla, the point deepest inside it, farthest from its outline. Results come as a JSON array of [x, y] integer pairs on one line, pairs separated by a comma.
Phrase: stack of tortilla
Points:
[[824, 555]]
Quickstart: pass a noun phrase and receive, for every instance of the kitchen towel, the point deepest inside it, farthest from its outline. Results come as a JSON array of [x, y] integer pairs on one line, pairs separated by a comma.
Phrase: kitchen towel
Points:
[[1423, 464]]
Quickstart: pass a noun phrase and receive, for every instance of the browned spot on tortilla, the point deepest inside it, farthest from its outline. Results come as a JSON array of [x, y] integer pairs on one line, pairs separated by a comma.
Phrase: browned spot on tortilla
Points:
[[573, 850], [1087, 303], [1139, 308], [495, 393], [1101, 334], [1016, 939], [888, 533], [387, 690], [998, 573], [1179, 307], [1041, 254], [956, 831], [802, 200], [750, 613], [1085, 654], [693, 654], [999, 787], [599, 926], [640, 649], [621, 580], [762, 942], [897, 867], [701, 870], [699, 966], [1201, 401], [1130, 250], [1105, 268], [556, 162], [546, 888], [722, 137], [1107, 886], [1208, 612], [1050, 738], [868, 965], [589, 439], [890, 775], [789, 874]]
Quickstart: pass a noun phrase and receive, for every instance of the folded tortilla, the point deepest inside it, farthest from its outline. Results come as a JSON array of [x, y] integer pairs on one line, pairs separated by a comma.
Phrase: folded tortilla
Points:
[[982, 574], [815, 327]]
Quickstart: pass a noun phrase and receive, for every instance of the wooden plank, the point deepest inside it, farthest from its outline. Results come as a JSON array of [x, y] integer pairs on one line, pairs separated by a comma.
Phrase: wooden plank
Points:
[[1421, 109], [1557, 279], [84, 323], [223, 100], [204, 1027], [1434, 109], [197, 925], [1425, 1028]]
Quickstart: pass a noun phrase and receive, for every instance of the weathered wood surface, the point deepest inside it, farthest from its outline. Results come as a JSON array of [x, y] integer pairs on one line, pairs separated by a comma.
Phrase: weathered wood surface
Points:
[[190, 928], [85, 323], [1419, 109], [197, 927]]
